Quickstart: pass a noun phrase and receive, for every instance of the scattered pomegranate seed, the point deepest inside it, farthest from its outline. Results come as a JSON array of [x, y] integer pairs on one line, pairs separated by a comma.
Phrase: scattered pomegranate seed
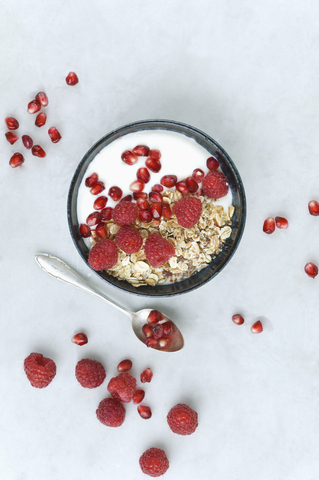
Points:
[[11, 137], [157, 188], [182, 187], [169, 181], [167, 328], [153, 164], [281, 222], [156, 154], [93, 219], [100, 231], [198, 174], [97, 188], [137, 186], [128, 198], [34, 106], [257, 327], [144, 411], [147, 330], [137, 195], [212, 163], [143, 174], [146, 375], [129, 157], [156, 210], [155, 197], [40, 120], [106, 214], [238, 319], [311, 269], [54, 134], [38, 151], [145, 216], [141, 151], [85, 230], [124, 366], [42, 98], [100, 203], [72, 79], [27, 141], [16, 160], [166, 210], [269, 225], [80, 339], [12, 123], [138, 395], [191, 184], [115, 193], [154, 316], [313, 207], [142, 203]]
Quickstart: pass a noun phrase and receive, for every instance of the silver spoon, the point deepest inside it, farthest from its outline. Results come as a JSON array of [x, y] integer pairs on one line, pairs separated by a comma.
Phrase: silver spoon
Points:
[[60, 270]]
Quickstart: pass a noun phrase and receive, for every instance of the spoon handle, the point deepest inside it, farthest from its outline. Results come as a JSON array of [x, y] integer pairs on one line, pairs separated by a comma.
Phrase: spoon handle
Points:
[[60, 270]]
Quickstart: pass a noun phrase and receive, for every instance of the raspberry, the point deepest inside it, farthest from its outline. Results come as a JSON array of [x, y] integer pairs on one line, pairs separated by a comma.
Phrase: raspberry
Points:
[[39, 370], [182, 419], [158, 250], [125, 213], [89, 373], [215, 185], [129, 239], [111, 412], [154, 462], [122, 387], [188, 211], [103, 255]]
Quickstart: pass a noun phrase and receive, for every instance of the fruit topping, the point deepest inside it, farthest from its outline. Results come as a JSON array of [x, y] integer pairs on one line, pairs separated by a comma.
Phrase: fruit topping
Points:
[[111, 412], [143, 174], [97, 188], [106, 214], [115, 193], [89, 373], [155, 197], [129, 157], [182, 187], [137, 186], [158, 250], [215, 185], [129, 239], [212, 163], [91, 180], [93, 219], [182, 419], [125, 213], [157, 188], [156, 154], [198, 174], [166, 210], [39, 370], [188, 211], [169, 181], [100, 231], [100, 203], [103, 255], [153, 164], [192, 185], [84, 230], [141, 150]]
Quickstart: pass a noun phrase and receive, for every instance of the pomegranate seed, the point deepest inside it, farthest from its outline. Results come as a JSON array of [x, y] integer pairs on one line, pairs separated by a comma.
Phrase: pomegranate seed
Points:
[[157, 188], [142, 203], [115, 193], [100, 231], [156, 154], [311, 269], [16, 160], [166, 210], [91, 180], [156, 210], [38, 151], [146, 375], [141, 151], [124, 365], [154, 316], [145, 216], [151, 342], [34, 106], [42, 98], [144, 411], [281, 222], [238, 319], [137, 186], [85, 230], [163, 342], [54, 134], [12, 123], [80, 339], [182, 187], [106, 214], [93, 219], [97, 188], [269, 225], [155, 197], [11, 137], [72, 79], [198, 174], [167, 328], [313, 207], [129, 157], [137, 195], [212, 163], [169, 181], [40, 120], [147, 330], [191, 184], [158, 331], [128, 198], [143, 174], [27, 141], [257, 327], [138, 395], [100, 203], [153, 164]]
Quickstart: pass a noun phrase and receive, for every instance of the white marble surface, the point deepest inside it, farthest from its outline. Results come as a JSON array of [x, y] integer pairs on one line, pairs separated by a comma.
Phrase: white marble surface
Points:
[[247, 74]]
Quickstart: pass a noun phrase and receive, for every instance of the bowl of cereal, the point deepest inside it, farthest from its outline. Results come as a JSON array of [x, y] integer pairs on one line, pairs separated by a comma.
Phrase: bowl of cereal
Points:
[[156, 208]]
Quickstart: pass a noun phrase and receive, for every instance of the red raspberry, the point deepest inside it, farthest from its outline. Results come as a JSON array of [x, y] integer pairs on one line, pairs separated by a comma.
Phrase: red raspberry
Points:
[[182, 419], [215, 185], [111, 412], [90, 373], [39, 370], [188, 211], [129, 239], [154, 462], [122, 387], [103, 255], [125, 213], [158, 250]]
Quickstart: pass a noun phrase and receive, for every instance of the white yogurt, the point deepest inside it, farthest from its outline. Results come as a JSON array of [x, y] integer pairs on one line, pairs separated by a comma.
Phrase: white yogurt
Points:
[[180, 156]]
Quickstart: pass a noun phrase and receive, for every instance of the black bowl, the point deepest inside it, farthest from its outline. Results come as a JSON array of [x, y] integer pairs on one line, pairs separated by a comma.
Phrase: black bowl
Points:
[[235, 184]]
